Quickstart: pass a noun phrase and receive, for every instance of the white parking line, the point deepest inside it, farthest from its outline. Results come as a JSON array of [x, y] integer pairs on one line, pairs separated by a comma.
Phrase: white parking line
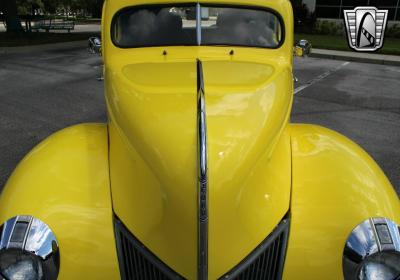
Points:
[[319, 78]]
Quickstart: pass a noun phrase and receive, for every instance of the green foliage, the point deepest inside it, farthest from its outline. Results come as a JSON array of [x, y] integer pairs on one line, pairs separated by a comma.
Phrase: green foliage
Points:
[[393, 31], [335, 42], [88, 5], [50, 6], [26, 7], [324, 27]]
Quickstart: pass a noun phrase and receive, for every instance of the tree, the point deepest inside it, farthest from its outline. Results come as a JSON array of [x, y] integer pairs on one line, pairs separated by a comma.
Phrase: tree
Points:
[[95, 7], [13, 8], [13, 23], [27, 7], [50, 6]]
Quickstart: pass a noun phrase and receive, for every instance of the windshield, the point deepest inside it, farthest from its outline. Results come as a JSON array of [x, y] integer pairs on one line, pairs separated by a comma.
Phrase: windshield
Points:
[[196, 25]]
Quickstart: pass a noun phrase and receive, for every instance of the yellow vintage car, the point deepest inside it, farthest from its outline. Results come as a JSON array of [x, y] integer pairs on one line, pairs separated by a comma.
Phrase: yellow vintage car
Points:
[[198, 173]]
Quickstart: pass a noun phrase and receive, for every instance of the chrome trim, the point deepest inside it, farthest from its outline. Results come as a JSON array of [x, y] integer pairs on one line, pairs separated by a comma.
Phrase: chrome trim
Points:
[[203, 177], [27, 237], [198, 23], [372, 251], [6, 231], [19, 244]]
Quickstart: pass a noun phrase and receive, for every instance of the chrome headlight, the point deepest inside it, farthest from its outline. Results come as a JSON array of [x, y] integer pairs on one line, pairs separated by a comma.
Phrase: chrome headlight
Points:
[[28, 250], [372, 251]]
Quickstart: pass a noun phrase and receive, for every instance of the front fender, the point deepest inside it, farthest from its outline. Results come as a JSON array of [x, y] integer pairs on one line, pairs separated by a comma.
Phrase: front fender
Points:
[[64, 182], [336, 186]]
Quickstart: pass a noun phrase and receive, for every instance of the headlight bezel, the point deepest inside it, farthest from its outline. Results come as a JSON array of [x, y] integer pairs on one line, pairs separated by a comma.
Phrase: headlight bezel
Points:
[[24, 241], [370, 249]]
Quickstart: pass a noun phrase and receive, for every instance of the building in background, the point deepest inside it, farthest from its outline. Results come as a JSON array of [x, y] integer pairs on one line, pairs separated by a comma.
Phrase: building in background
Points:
[[333, 9], [304, 15], [307, 12]]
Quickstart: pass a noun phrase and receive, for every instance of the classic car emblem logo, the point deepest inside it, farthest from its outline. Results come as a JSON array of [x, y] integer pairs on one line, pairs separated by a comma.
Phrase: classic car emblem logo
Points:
[[365, 28]]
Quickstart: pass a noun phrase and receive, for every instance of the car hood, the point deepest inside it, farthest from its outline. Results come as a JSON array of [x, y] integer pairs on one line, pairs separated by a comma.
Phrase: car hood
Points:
[[153, 156]]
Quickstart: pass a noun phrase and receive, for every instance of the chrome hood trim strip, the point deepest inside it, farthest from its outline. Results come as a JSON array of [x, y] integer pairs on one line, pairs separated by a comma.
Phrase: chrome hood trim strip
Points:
[[203, 177]]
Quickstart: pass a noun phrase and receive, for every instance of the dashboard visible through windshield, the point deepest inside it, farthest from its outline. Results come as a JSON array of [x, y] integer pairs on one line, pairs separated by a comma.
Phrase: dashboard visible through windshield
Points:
[[191, 25]]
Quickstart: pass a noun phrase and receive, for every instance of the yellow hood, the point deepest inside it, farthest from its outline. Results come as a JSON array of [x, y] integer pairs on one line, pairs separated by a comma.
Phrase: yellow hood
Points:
[[153, 156]]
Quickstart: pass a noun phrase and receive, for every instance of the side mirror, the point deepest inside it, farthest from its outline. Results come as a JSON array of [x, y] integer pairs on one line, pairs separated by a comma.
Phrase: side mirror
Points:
[[94, 45], [302, 48]]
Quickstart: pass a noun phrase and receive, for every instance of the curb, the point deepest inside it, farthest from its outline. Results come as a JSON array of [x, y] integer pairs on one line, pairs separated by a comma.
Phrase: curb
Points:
[[43, 47], [357, 57]]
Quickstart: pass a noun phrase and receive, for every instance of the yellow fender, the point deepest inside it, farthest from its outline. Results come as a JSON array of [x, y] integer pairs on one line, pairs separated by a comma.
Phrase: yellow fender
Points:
[[335, 187], [64, 182]]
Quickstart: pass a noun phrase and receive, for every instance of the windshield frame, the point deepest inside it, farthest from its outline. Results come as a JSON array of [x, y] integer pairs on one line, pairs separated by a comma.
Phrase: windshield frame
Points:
[[198, 28]]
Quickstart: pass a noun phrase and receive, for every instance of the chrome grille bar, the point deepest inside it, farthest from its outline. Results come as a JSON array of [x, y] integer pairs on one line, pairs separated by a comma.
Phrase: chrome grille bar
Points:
[[267, 260]]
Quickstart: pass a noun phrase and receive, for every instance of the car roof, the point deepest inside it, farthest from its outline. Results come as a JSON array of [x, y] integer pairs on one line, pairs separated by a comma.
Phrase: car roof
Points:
[[278, 5], [227, 2]]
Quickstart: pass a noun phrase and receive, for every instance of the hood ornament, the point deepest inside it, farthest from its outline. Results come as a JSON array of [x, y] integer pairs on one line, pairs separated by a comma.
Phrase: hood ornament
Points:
[[203, 177]]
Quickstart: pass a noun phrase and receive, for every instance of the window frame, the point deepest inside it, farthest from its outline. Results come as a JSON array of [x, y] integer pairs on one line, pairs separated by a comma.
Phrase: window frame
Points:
[[198, 20]]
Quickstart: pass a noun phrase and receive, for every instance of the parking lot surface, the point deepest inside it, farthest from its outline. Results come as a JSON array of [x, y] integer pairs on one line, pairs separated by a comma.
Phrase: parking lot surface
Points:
[[361, 101], [95, 28], [44, 91]]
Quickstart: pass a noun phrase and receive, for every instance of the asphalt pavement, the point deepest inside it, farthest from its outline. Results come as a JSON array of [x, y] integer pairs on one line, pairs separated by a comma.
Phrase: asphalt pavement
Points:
[[46, 90], [42, 92], [359, 100]]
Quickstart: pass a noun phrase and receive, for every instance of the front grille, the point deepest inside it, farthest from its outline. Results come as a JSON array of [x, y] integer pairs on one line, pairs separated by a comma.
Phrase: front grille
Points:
[[266, 261], [136, 261]]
